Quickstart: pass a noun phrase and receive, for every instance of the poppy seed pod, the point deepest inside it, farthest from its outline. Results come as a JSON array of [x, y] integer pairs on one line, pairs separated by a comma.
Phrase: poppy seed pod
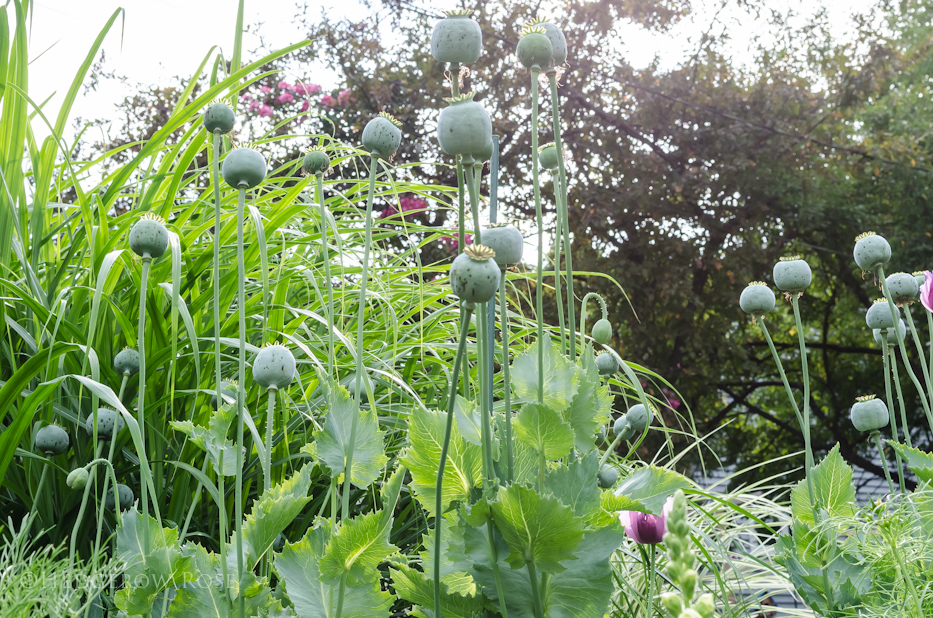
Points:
[[106, 419], [464, 127], [869, 414], [548, 157], [481, 156], [606, 364], [244, 167], [382, 136], [895, 335], [218, 118], [757, 298], [457, 38], [52, 440], [871, 251], [607, 476], [534, 49], [903, 287], [558, 41], [126, 498], [126, 362], [148, 237], [920, 277], [879, 315], [274, 367], [315, 161], [507, 242], [77, 478], [602, 331], [474, 275], [792, 274], [639, 417]]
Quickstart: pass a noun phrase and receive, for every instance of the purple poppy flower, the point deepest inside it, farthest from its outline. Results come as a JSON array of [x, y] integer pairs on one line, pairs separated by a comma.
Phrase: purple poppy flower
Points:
[[926, 291], [646, 529]]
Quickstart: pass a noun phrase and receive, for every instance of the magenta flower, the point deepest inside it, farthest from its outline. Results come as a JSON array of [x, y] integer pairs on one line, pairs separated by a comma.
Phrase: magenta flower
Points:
[[328, 101], [305, 105], [265, 110], [254, 106], [926, 291], [453, 244], [646, 529], [307, 89], [265, 89], [284, 85], [285, 97], [344, 97], [246, 97], [410, 204]]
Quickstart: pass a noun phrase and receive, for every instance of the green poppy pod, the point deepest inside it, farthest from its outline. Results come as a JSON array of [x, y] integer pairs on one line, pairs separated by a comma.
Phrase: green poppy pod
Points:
[[228, 390], [871, 251], [457, 38], [148, 237], [601, 436], [52, 440], [879, 315], [895, 335], [464, 127], [534, 49], [606, 364], [315, 161], [507, 242], [602, 331], [77, 478], [920, 277], [474, 275], [558, 41], [274, 367], [869, 414], [903, 287], [607, 476], [757, 298], [548, 157], [622, 429], [218, 118], [382, 136], [480, 157], [791, 274], [126, 498], [366, 385], [639, 417], [126, 362], [106, 419], [244, 167]]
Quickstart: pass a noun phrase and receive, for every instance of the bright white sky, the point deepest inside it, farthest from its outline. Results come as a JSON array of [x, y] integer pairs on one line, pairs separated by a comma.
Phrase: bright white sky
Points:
[[163, 38]]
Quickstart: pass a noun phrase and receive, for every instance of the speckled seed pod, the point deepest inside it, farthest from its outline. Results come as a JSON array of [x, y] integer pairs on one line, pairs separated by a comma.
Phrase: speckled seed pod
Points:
[[879, 315], [757, 298], [77, 478], [457, 38], [464, 127], [602, 331], [218, 118], [895, 336], [869, 414], [792, 275], [382, 136], [607, 476], [903, 287], [548, 157], [558, 42], [534, 48], [639, 417], [507, 242], [126, 498], [105, 421], [871, 251], [126, 362], [274, 367], [148, 237], [920, 277], [606, 364], [244, 167], [227, 390], [52, 440], [315, 161], [474, 275], [622, 429]]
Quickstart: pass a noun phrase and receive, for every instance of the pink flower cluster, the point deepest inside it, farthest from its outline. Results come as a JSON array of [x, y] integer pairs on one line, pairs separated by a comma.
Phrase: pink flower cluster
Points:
[[453, 244], [344, 98], [283, 94], [406, 204]]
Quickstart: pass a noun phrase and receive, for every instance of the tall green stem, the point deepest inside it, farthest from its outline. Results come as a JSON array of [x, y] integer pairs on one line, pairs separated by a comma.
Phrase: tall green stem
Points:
[[539, 286], [241, 387], [494, 554], [563, 210], [535, 593], [900, 397], [903, 348], [506, 389], [364, 278], [438, 501], [876, 436], [126, 378], [222, 517], [141, 395], [651, 581], [270, 421], [215, 172], [103, 502], [38, 494], [558, 284], [889, 356], [330, 284]]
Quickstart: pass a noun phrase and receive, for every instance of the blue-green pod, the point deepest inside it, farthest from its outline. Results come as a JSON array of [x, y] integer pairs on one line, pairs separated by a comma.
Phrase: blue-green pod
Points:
[[228, 389], [602, 331], [639, 417], [548, 157], [558, 41], [148, 237], [895, 336], [315, 161], [218, 118], [77, 478], [474, 275], [869, 414], [126, 498], [792, 274], [507, 242], [126, 362], [622, 429], [382, 136], [757, 298], [464, 127], [274, 367], [106, 420], [879, 315], [903, 287], [607, 476], [457, 38], [871, 251], [534, 49], [244, 167], [52, 440], [607, 364]]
